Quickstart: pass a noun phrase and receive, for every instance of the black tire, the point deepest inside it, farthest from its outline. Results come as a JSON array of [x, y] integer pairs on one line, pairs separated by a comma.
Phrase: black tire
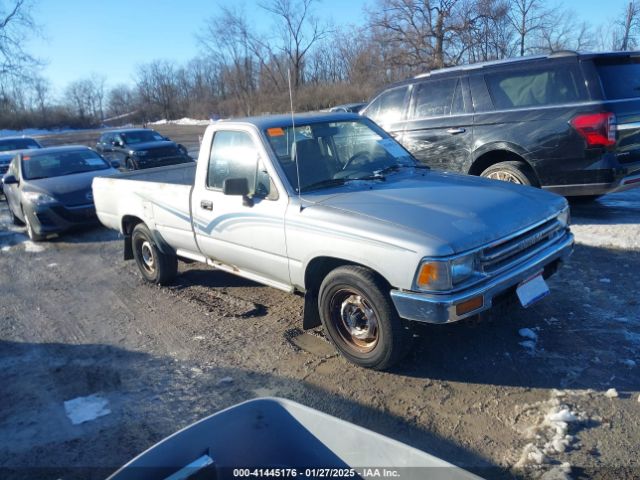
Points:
[[512, 171], [381, 339], [155, 266], [33, 236], [130, 164]]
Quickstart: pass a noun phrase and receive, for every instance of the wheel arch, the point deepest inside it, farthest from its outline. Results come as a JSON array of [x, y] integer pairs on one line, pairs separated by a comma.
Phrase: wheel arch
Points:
[[315, 272], [128, 223], [501, 152]]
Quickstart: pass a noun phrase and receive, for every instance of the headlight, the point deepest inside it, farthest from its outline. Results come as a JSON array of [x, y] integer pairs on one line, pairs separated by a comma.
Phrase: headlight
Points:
[[38, 198], [565, 217], [141, 153], [440, 275]]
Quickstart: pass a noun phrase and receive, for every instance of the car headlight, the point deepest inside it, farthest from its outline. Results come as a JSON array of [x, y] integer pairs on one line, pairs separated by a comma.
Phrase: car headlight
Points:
[[141, 153], [565, 217], [440, 275], [38, 198]]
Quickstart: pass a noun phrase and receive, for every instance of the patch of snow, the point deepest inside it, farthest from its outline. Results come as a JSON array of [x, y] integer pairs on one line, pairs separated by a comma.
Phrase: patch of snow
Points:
[[638, 398], [528, 333], [224, 381], [86, 409], [529, 345], [611, 393], [605, 280], [181, 121], [6, 248], [559, 472], [199, 337], [51, 265], [32, 247]]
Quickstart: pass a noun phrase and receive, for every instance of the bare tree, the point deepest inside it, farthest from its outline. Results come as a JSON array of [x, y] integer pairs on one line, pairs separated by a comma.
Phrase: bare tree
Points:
[[528, 17], [16, 24], [299, 30], [630, 25]]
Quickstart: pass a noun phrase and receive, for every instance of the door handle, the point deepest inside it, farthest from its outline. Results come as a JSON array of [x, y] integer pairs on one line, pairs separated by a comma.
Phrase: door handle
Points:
[[206, 205], [455, 131]]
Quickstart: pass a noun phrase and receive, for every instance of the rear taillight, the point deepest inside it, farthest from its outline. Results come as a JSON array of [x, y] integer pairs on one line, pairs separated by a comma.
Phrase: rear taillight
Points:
[[598, 129]]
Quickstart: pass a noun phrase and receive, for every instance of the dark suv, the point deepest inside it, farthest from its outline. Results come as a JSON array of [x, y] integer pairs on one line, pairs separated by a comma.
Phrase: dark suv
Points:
[[566, 122], [136, 148]]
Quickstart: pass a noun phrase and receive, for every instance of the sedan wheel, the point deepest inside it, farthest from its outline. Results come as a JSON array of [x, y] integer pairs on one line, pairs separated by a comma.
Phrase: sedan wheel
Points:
[[33, 236]]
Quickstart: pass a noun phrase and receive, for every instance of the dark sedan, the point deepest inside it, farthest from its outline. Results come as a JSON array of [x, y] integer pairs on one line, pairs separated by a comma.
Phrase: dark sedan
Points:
[[141, 148], [9, 146], [49, 190]]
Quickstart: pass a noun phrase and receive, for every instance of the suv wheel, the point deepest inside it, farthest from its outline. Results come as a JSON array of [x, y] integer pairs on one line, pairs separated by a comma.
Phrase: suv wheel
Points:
[[358, 316], [513, 172], [129, 164]]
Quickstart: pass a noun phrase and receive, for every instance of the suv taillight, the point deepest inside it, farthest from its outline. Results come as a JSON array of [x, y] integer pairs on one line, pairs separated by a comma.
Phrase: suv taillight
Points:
[[598, 129]]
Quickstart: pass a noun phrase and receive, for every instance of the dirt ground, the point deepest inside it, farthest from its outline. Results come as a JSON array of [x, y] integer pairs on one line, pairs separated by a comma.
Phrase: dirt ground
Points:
[[525, 393]]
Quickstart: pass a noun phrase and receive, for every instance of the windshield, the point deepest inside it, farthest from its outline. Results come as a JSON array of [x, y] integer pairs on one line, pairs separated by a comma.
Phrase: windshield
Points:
[[141, 136], [17, 144], [332, 153], [57, 164]]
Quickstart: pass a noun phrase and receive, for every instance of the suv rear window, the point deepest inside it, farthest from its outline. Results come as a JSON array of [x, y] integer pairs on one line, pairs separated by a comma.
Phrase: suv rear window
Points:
[[620, 78], [531, 87]]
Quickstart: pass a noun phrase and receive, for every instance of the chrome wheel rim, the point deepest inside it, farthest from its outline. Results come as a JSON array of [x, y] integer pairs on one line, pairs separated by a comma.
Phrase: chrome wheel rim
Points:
[[504, 176], [355, 320], [146, 252]]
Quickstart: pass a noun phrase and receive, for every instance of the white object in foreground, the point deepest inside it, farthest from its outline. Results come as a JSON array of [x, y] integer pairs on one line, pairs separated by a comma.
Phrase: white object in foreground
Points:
[[85, 409]]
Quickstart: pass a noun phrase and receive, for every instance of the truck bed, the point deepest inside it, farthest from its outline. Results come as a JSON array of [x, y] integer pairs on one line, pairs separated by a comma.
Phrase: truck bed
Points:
[[160, 197], [183, 174]]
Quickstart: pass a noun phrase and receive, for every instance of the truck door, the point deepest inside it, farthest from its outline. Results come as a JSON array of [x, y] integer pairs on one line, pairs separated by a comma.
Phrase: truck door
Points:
[[240, 232]]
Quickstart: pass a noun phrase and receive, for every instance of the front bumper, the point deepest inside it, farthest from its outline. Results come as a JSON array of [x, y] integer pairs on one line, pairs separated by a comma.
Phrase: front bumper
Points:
[[57, 218], [441, 308]]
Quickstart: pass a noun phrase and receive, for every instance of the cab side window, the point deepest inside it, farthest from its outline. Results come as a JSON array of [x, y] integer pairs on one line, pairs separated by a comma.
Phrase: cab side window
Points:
[[388, 107], [234, 155], [438, 98]]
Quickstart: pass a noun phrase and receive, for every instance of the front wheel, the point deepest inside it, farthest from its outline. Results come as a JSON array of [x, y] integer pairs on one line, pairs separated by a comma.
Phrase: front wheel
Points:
[[155, 266], [360, 320], [33, 236], [129, 164]]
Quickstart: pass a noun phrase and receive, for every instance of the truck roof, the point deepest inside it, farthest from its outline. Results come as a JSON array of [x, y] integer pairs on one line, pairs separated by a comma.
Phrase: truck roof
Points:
[[284, 120]]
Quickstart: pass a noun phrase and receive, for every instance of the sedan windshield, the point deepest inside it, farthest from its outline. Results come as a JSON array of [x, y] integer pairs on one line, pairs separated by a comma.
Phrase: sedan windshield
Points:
[[141, 136], [333, 153], [57, 164], [10, 144]]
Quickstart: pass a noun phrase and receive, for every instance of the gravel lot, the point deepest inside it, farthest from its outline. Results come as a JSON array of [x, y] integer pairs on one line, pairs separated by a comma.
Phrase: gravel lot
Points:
[[525, 392]]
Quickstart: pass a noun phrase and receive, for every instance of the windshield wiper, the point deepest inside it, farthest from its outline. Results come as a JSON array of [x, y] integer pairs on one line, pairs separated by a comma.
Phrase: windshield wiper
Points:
[[398, 166], [329, 182]]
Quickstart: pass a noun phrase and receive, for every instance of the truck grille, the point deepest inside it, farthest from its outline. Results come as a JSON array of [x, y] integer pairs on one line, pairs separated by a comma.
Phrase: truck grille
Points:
[[506, 253], [163, 152]]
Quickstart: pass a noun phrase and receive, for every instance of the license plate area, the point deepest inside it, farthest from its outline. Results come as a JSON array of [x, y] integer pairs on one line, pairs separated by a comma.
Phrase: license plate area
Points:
[[532, 290]]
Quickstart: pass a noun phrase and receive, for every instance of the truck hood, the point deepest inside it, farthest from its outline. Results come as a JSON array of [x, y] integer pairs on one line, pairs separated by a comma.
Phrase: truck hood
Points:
[[453, 212]]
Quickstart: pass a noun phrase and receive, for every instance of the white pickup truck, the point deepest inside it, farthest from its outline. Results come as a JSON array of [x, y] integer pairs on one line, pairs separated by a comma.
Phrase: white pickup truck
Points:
[[331, 206]]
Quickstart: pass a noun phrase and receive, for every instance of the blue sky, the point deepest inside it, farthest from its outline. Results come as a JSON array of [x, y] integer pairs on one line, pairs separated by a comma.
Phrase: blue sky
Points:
[[111, 38]]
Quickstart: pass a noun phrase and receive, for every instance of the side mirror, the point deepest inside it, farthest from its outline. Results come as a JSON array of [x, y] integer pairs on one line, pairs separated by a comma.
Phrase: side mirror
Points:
[[11, 180], [238, 186], [115, 164]]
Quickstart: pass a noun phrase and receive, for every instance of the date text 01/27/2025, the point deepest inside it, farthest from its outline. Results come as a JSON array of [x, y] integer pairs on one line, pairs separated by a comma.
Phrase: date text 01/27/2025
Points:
[[368, 472]]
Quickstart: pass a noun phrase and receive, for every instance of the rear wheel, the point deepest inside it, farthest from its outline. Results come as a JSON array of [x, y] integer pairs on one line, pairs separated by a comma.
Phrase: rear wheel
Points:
[[155, 266], [360, 319], [512, 172]]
